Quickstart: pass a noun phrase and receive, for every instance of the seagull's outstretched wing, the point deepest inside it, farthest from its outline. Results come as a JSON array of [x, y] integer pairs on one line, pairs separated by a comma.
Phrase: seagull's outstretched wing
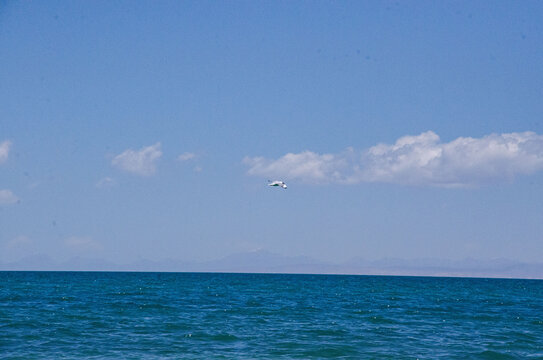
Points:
[[277, 183]]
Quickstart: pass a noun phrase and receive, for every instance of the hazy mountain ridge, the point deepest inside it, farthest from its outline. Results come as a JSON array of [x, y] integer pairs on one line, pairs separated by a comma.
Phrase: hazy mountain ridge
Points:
[[268, 262]]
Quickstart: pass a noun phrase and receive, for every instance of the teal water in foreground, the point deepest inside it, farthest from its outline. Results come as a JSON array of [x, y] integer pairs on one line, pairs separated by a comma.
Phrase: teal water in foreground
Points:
[[101, 315]]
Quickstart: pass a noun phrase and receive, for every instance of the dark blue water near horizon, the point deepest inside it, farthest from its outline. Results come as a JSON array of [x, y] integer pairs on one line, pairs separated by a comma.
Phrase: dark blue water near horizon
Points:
[[110, 315]]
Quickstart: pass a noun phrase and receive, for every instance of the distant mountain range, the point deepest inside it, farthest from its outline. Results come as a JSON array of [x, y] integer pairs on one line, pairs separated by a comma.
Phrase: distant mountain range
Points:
[[267, 262]]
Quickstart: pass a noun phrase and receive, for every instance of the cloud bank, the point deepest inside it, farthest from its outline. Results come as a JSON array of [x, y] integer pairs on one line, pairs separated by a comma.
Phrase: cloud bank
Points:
[[415, 160], [4, 150], [139, 162]]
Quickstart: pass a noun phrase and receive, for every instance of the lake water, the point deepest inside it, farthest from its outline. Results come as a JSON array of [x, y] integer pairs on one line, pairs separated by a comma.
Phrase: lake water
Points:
[[108, 315]]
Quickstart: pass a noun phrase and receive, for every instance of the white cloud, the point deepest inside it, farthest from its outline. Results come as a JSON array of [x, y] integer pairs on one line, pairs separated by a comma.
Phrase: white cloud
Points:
[[307, 165], [7, 197], [186, 156], [140, 162], [423, 160], [4, 150], [415, 160]]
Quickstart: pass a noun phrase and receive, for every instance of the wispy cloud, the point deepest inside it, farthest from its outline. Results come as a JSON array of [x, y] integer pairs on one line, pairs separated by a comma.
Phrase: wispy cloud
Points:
[[139, 162], [18, 241], [105, 182], [4, 150], [82, 243], [415, 160], [7, 197], [17, 248], [186, 156]]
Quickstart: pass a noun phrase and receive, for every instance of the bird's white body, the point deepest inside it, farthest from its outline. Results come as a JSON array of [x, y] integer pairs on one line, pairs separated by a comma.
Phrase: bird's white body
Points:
[[278, 183]]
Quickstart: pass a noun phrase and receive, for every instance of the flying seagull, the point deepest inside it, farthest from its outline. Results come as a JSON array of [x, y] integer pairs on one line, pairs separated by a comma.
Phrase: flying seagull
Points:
[[277, 183]]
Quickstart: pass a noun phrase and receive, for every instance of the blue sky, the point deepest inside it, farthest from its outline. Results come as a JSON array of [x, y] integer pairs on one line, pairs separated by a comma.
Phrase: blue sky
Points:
[[149, 129]]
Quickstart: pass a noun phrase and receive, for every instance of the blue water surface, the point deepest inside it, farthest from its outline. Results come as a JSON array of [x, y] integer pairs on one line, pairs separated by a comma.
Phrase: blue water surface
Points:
[[109, 315]]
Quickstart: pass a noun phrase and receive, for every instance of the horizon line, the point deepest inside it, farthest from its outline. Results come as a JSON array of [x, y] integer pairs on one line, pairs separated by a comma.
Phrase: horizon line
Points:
[[450, 276]]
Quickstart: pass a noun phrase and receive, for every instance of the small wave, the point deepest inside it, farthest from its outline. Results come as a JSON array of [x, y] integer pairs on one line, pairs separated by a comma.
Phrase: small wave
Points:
[[224, 337], [494, 355], [380, 320], [331, 352], [328, 332]]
